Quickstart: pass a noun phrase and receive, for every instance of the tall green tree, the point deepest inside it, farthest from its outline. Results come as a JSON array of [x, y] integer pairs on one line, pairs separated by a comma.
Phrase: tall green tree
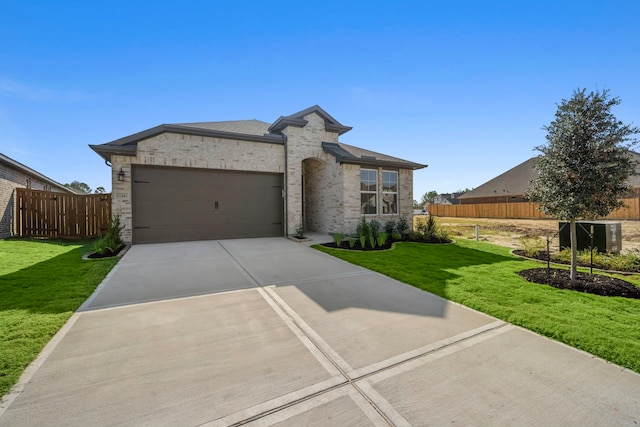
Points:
[[80, 186], [429, 196], [584, 168]]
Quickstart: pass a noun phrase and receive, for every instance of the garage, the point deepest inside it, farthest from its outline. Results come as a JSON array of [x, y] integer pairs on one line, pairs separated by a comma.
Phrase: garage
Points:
[[179, 204]]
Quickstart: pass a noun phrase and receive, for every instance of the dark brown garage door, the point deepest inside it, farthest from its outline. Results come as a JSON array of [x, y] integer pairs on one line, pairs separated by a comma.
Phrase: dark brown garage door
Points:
[[174, 204]]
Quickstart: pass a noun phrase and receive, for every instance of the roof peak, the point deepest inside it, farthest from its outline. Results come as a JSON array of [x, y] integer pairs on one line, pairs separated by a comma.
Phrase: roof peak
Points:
[[297, 120]]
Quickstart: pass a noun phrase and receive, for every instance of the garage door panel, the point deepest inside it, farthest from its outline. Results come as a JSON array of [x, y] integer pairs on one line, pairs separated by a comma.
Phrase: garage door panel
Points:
[[172, 204]]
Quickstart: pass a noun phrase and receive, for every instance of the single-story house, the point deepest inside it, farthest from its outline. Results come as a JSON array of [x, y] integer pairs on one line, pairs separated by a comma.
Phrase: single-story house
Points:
[[14, 174], [249, 178], [447, 199], [513, 185]]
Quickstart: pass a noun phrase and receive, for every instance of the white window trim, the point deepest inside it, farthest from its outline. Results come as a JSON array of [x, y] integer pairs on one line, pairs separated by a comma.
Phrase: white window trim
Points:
[[376, 192], [397, 192]]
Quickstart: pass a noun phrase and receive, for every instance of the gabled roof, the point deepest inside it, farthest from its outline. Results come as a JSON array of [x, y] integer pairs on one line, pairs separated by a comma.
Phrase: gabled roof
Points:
[[297, 119], [28, 171], [258, 131], [516, 181], [349, 154]]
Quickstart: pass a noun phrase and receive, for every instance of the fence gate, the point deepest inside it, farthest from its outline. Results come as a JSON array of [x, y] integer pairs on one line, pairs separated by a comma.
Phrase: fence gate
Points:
[[61, 215]]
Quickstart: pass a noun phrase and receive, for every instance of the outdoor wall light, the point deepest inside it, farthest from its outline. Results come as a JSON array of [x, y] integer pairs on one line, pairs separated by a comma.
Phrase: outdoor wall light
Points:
[[121, 175]]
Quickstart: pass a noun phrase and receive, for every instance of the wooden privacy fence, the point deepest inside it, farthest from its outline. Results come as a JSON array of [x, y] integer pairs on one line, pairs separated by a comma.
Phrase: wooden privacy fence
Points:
[[522, 210], [61, 215]]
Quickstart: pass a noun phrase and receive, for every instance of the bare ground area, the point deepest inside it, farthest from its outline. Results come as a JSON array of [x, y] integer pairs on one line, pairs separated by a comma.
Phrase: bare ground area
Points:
[[508, 232]]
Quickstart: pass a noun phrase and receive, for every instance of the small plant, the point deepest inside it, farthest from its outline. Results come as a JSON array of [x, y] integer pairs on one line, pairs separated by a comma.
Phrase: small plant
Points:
[[402, 227], [364, 231], [363, 240], [619, 262], [299, 234], [352, 241], [390, 228], [397, 237], [338, 238], [112, 240], [382, 238], [428, 231], [532, 245], [374, 227], [372, 240]]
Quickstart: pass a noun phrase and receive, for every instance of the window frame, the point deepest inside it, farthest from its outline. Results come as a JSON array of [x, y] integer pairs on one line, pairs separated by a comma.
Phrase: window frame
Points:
[[369, 192], [388, 192]]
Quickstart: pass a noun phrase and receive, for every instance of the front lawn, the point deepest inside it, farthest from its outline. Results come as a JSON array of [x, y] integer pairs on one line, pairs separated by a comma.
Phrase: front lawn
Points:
[[41, 284], [484, 277]]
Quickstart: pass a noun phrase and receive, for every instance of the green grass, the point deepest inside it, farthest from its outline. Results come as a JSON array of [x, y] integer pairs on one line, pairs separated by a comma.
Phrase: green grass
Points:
[[41, 284], [484, 277]]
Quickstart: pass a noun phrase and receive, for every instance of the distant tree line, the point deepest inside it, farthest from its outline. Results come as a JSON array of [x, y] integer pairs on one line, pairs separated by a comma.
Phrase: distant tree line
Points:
[[81, 186]]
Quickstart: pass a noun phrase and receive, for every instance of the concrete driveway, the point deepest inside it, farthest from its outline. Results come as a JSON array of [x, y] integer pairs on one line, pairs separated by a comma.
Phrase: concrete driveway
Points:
[[271, 332]]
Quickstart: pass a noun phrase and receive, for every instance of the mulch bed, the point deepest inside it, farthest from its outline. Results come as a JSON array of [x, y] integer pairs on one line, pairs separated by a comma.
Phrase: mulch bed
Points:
[[356, 247], [591, 283], [96, 255], [387, 245]]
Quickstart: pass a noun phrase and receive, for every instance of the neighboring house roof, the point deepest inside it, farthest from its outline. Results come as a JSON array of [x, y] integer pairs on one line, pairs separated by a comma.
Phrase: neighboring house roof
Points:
[[33, 173], [259, 131], [447, 199], [516, 181]]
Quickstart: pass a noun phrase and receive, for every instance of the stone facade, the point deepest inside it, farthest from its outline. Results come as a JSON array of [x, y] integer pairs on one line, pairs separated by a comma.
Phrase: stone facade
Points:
[[322, 192], [188, 151], [331, 196], [11, 178]]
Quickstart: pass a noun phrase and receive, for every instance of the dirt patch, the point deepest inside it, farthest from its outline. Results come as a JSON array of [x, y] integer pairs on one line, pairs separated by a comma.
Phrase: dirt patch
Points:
[[508, 232]]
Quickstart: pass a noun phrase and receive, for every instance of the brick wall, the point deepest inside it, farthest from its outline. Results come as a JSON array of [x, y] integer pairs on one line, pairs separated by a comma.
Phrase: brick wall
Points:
[[189, 151], [306, 143], [331, 193]]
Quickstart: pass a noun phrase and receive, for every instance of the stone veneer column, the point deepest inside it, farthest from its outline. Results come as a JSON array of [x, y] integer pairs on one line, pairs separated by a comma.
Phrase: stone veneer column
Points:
[[121, 195]]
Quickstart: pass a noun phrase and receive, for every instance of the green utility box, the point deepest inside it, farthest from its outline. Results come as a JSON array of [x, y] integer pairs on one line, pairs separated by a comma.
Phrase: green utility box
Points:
[[607, 236]]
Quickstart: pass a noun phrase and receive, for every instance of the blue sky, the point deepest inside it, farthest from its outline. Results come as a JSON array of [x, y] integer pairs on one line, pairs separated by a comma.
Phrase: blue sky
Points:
[[463, 86]]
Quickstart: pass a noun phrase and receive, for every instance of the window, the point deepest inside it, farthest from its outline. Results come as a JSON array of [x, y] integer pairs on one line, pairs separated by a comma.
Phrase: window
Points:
[[389, 192], [368, 191]]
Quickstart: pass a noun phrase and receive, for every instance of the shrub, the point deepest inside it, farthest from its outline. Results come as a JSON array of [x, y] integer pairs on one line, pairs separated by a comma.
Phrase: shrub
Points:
[[363, 240], [112, 240], [403, 226], [338, 238], [428, 231], [372, 240], [374, 227], [397, 236], [390, 228], [532, 245], [352, 241], [603, 260]]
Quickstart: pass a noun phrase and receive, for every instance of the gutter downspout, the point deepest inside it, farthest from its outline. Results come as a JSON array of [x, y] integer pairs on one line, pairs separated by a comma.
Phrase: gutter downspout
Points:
[[285, 190]]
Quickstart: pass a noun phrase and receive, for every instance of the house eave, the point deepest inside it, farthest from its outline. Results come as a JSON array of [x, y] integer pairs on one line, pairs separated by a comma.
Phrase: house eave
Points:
[[382, 163]]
